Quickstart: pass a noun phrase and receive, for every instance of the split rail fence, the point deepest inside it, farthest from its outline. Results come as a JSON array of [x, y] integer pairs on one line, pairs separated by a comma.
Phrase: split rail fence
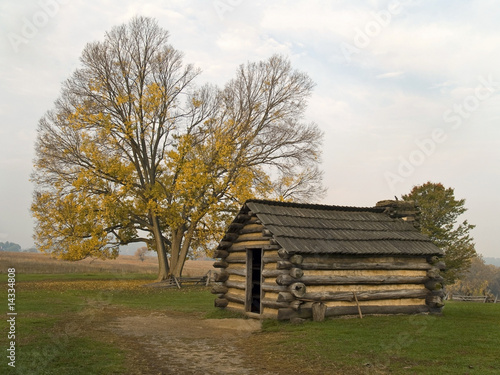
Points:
[[484, 299], [199, 280]]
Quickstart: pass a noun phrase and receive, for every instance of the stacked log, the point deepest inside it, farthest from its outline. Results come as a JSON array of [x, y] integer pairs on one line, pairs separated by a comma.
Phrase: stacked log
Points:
[[230, 265], [247, 232], [405, 210], [435, 284], [326, 286]]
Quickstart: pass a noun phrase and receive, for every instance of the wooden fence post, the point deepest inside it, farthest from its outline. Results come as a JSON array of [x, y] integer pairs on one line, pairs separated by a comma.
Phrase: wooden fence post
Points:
[[318, 311], [357, 303], [176, 282]]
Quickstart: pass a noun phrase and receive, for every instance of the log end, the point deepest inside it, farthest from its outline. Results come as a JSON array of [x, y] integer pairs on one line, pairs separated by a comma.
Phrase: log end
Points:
[[221, 264], [296, 273], [221, 302], [221, 276], [297, 289]]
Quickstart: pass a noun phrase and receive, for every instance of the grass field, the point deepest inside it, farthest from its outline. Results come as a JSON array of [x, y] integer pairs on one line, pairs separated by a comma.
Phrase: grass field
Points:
[[35, 263], [464, 340], [55, 313], [60, 319]]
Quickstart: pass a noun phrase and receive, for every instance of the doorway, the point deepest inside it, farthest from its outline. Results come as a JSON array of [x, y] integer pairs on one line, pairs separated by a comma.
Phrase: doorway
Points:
[[254, 280]]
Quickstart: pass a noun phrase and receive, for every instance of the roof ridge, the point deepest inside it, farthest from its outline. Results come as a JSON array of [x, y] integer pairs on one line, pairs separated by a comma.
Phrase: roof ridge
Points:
[[358, 239], [317, 206], [410, 227]]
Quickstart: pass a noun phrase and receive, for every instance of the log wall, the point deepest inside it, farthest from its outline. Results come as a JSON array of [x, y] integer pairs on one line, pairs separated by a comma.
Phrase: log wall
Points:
[[296, 285], [351, 285], [249, 234]]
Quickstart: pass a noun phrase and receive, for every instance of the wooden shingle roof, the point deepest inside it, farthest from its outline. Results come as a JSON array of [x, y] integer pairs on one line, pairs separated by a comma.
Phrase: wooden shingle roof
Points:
[[322, 229]]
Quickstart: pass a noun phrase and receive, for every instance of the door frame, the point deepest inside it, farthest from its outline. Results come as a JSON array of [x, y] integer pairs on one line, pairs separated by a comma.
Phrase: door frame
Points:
[[253, 301]]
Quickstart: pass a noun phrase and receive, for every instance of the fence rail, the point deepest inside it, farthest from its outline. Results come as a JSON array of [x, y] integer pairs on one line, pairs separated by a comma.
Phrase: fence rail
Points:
[[484, 299], [199, 280]]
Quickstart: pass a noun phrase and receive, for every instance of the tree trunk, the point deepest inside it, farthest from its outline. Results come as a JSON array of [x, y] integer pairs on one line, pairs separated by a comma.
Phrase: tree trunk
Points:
[[163, 268], [180, 247], [175, 247]]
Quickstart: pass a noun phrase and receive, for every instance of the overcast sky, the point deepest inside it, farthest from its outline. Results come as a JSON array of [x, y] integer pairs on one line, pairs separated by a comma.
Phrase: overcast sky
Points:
[[407, 91]]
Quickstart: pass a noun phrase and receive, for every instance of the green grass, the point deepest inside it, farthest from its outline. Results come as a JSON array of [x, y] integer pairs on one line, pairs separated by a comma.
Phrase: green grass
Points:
[[52, 308], [464, 340], [48, 339], [188, 299], [51, 355], [49, 302]]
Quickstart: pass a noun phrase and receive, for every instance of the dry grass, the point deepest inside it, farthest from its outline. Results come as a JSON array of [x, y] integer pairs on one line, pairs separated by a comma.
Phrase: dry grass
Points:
[[29, 263]]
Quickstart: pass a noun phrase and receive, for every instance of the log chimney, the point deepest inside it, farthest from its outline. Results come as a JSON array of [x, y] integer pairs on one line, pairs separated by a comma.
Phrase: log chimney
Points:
[[405, 210]]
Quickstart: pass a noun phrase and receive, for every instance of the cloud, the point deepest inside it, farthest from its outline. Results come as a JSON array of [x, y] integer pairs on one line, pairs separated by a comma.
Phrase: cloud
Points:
[[313, 16], [372, 109], [389, 75], [244, 39]]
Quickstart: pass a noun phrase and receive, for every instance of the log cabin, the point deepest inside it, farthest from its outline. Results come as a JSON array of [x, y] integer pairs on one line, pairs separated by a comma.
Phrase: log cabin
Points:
[[294, 261]]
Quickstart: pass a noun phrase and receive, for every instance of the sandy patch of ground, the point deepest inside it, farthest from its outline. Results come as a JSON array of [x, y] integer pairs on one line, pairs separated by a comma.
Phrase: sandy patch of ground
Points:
[[178, 343]]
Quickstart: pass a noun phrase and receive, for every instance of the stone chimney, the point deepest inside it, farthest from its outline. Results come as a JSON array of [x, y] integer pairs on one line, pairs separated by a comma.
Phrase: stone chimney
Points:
[[405, 210]]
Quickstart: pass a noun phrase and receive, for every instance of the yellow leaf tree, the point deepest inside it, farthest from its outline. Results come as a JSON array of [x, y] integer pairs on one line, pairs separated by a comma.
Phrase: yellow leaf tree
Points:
[[133, 151]]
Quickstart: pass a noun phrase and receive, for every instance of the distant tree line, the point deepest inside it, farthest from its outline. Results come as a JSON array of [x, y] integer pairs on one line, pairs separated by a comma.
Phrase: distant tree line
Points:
[[481, 279], [11, 246]]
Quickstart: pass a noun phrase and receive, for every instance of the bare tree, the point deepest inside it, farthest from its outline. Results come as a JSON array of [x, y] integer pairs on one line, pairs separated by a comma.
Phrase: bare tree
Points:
[[141, 253], [134, 152]]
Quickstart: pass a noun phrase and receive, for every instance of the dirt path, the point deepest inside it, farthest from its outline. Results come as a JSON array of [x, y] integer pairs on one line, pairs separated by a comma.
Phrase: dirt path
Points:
[[179, 343]]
